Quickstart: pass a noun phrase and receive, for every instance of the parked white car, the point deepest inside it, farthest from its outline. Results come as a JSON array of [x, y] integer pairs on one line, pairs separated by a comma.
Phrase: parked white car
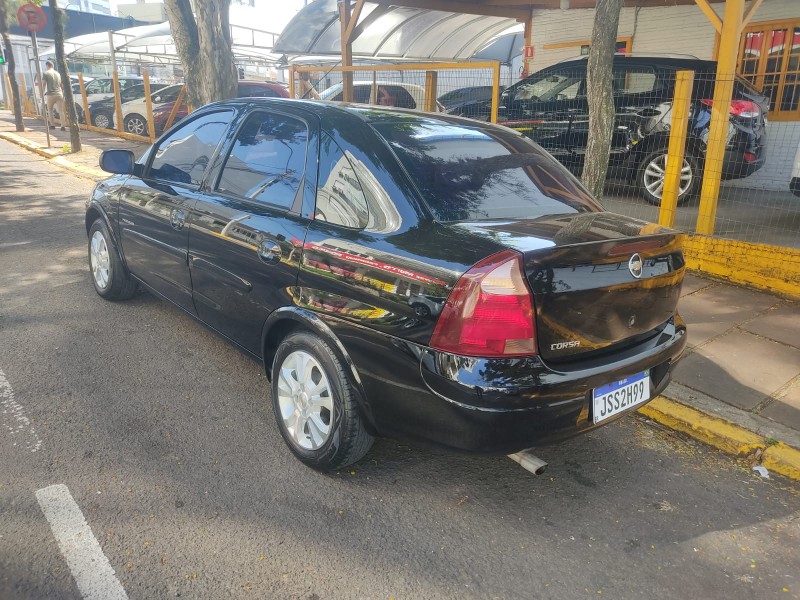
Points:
[[134, 113], [794, 183], [386, 93]]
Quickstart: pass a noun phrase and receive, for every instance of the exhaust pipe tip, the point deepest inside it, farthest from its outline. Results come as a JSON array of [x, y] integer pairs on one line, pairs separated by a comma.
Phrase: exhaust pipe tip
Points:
[[529, 462]]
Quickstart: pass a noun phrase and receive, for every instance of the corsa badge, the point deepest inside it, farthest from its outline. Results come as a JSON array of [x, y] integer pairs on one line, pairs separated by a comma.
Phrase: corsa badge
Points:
[[635, 266]]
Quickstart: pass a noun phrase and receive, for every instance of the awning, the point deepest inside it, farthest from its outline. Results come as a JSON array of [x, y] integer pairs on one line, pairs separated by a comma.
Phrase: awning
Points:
[[390, 32]]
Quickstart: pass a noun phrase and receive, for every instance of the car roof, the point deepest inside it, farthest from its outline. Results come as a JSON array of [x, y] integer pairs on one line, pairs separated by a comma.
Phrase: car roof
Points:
[[670, 62], [339, 114]]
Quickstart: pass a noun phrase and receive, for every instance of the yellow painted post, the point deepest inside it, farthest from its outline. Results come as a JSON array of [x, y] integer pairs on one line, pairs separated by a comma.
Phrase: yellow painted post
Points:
[[718, 131], [84, 100], [148, 104], [495, 91], [291, 82], [679, 125], [10, 92], [175, 107], [117, 104], [431, 78]]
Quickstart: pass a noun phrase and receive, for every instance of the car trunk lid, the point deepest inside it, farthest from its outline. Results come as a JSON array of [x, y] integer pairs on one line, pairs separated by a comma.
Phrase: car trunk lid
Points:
[[582, 270]]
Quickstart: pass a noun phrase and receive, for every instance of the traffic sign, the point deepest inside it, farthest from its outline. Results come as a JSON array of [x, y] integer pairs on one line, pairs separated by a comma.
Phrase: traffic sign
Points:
[[31, 17]]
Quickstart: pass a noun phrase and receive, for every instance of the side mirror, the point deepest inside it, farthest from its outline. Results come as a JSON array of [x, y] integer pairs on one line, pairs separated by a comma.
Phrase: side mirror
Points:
[[117, 161], [157, 99]]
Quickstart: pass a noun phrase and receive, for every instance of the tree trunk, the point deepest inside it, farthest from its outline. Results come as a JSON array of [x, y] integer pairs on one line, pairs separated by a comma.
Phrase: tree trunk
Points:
[[600, 94], [66, 83], [204, 46], [12, 66]]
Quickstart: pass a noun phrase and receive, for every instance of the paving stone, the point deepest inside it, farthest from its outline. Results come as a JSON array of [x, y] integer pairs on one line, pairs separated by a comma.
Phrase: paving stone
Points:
[[693, 283], [715, 309], [781, 324], [786, 410], [739, 368]]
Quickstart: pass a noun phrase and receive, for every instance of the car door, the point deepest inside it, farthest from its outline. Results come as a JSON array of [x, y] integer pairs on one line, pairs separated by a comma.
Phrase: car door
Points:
[[153, 208], [544, 108], [247, 226], [640, 96]]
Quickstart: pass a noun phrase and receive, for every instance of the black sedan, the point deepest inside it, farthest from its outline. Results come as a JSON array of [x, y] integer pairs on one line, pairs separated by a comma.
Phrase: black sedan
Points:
[[303, 231]]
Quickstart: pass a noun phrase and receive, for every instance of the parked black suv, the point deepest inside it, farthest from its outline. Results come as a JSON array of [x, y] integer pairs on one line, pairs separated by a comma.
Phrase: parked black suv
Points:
[[550, 107]]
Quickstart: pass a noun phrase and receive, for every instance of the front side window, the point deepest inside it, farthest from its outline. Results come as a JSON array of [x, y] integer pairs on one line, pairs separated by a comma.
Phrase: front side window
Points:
[[267, 160], [183, 156], [634, 80], [566, 85], [100, 86], [340, 197]]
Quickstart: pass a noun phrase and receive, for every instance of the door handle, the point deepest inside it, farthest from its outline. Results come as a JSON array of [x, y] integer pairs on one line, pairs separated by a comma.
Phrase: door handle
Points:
[[269, 252], [177, 218]]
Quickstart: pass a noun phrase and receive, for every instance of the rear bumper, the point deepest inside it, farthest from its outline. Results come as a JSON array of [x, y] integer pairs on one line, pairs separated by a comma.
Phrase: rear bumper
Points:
[[495, 406]]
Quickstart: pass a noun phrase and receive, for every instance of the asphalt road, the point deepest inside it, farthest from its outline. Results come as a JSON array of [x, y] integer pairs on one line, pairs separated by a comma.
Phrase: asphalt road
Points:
[[163, 435]]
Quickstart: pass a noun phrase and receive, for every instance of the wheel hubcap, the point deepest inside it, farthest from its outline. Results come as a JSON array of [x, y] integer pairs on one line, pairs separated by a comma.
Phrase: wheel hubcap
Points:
[[101, 121], [100, 263], [305, 400], [135, 126], [655, 172]]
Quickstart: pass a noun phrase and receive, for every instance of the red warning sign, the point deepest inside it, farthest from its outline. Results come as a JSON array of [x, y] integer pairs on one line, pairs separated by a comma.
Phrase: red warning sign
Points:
[[31, 17]]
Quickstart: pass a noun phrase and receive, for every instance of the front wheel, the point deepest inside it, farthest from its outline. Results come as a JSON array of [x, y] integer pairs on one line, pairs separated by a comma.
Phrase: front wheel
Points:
[[108, 274], [315, 404], [136, 124], [102, 120], [652, 171]]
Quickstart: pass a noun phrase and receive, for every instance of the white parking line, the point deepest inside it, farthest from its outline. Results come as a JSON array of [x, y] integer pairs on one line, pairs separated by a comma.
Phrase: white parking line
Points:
[[14, 419], [89, 566]]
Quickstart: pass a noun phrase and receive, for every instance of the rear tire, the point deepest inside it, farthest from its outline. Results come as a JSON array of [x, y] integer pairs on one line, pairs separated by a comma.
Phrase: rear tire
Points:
[[109, 277], [136, 124], [103, 120], [650, 177], [315, 404]]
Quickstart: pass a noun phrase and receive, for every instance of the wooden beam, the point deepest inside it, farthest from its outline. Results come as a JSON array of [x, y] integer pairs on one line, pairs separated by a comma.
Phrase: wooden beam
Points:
[[353, 21], [751, 12], [526, 62], [347, 51], [467, 8], [710, 14]]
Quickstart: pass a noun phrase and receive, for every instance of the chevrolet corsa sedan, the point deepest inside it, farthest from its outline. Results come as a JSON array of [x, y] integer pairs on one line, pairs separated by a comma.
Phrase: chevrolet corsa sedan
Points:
[[305, 232]]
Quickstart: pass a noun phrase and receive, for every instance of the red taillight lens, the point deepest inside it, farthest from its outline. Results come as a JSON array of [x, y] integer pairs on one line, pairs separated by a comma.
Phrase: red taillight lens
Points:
[[490, 311], [740, 108]]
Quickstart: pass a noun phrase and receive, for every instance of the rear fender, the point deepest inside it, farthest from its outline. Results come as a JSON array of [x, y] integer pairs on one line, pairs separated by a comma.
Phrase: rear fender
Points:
[[290, 318]]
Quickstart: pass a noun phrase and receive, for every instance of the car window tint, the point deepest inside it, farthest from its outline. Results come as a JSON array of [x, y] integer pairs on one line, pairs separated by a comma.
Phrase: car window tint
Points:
[[395, 95], [183, 156], [481, 173], [267, 160], [169, 94], [340, 198], [566, 85], [636, 80]]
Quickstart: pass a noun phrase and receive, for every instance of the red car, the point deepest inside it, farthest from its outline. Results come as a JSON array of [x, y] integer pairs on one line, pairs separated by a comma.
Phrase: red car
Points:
[[247, 89]]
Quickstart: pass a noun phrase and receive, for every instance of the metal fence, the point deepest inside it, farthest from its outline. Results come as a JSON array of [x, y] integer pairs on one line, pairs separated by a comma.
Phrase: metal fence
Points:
[[468, 89]]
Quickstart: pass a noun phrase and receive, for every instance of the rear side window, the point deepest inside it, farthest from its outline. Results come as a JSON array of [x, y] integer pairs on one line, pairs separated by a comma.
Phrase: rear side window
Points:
[[255, 91], [183, 156], [481, 173], [395, 95], [267, 160], [340, 197]]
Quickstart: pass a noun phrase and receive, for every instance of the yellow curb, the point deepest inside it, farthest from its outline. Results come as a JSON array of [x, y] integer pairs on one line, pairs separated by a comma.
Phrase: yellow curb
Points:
[[56, 156], [723, 435]]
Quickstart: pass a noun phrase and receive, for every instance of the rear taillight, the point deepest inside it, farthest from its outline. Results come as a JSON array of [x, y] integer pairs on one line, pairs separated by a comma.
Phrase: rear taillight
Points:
[[489, 313], [739, 108]]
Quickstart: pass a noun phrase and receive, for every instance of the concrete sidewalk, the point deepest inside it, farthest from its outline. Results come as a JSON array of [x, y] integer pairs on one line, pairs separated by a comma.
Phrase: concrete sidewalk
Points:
[[84, 163], [737, 388]]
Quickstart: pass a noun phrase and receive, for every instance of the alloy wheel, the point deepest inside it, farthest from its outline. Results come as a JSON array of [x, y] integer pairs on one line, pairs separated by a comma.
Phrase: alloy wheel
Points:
[[136, 125], [305, 399], [102, 120], [655, 172], [100, 260]]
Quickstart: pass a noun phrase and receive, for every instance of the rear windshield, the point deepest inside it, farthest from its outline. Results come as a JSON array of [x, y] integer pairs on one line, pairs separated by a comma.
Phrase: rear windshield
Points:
[[479, 173]]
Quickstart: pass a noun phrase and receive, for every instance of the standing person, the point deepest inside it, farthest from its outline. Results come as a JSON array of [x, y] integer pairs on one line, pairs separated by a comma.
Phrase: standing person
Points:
[[53, 94]]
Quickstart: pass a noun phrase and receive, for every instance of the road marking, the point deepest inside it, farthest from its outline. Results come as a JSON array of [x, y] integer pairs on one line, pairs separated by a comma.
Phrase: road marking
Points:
[[14, 419], [90, 568]]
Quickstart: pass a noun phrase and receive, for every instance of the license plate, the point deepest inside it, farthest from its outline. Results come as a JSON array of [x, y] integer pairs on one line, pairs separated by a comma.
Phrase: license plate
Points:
[[616, 397]]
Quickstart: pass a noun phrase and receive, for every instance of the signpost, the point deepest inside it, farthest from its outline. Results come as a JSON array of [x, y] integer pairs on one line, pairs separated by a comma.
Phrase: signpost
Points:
[[32, 18]]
